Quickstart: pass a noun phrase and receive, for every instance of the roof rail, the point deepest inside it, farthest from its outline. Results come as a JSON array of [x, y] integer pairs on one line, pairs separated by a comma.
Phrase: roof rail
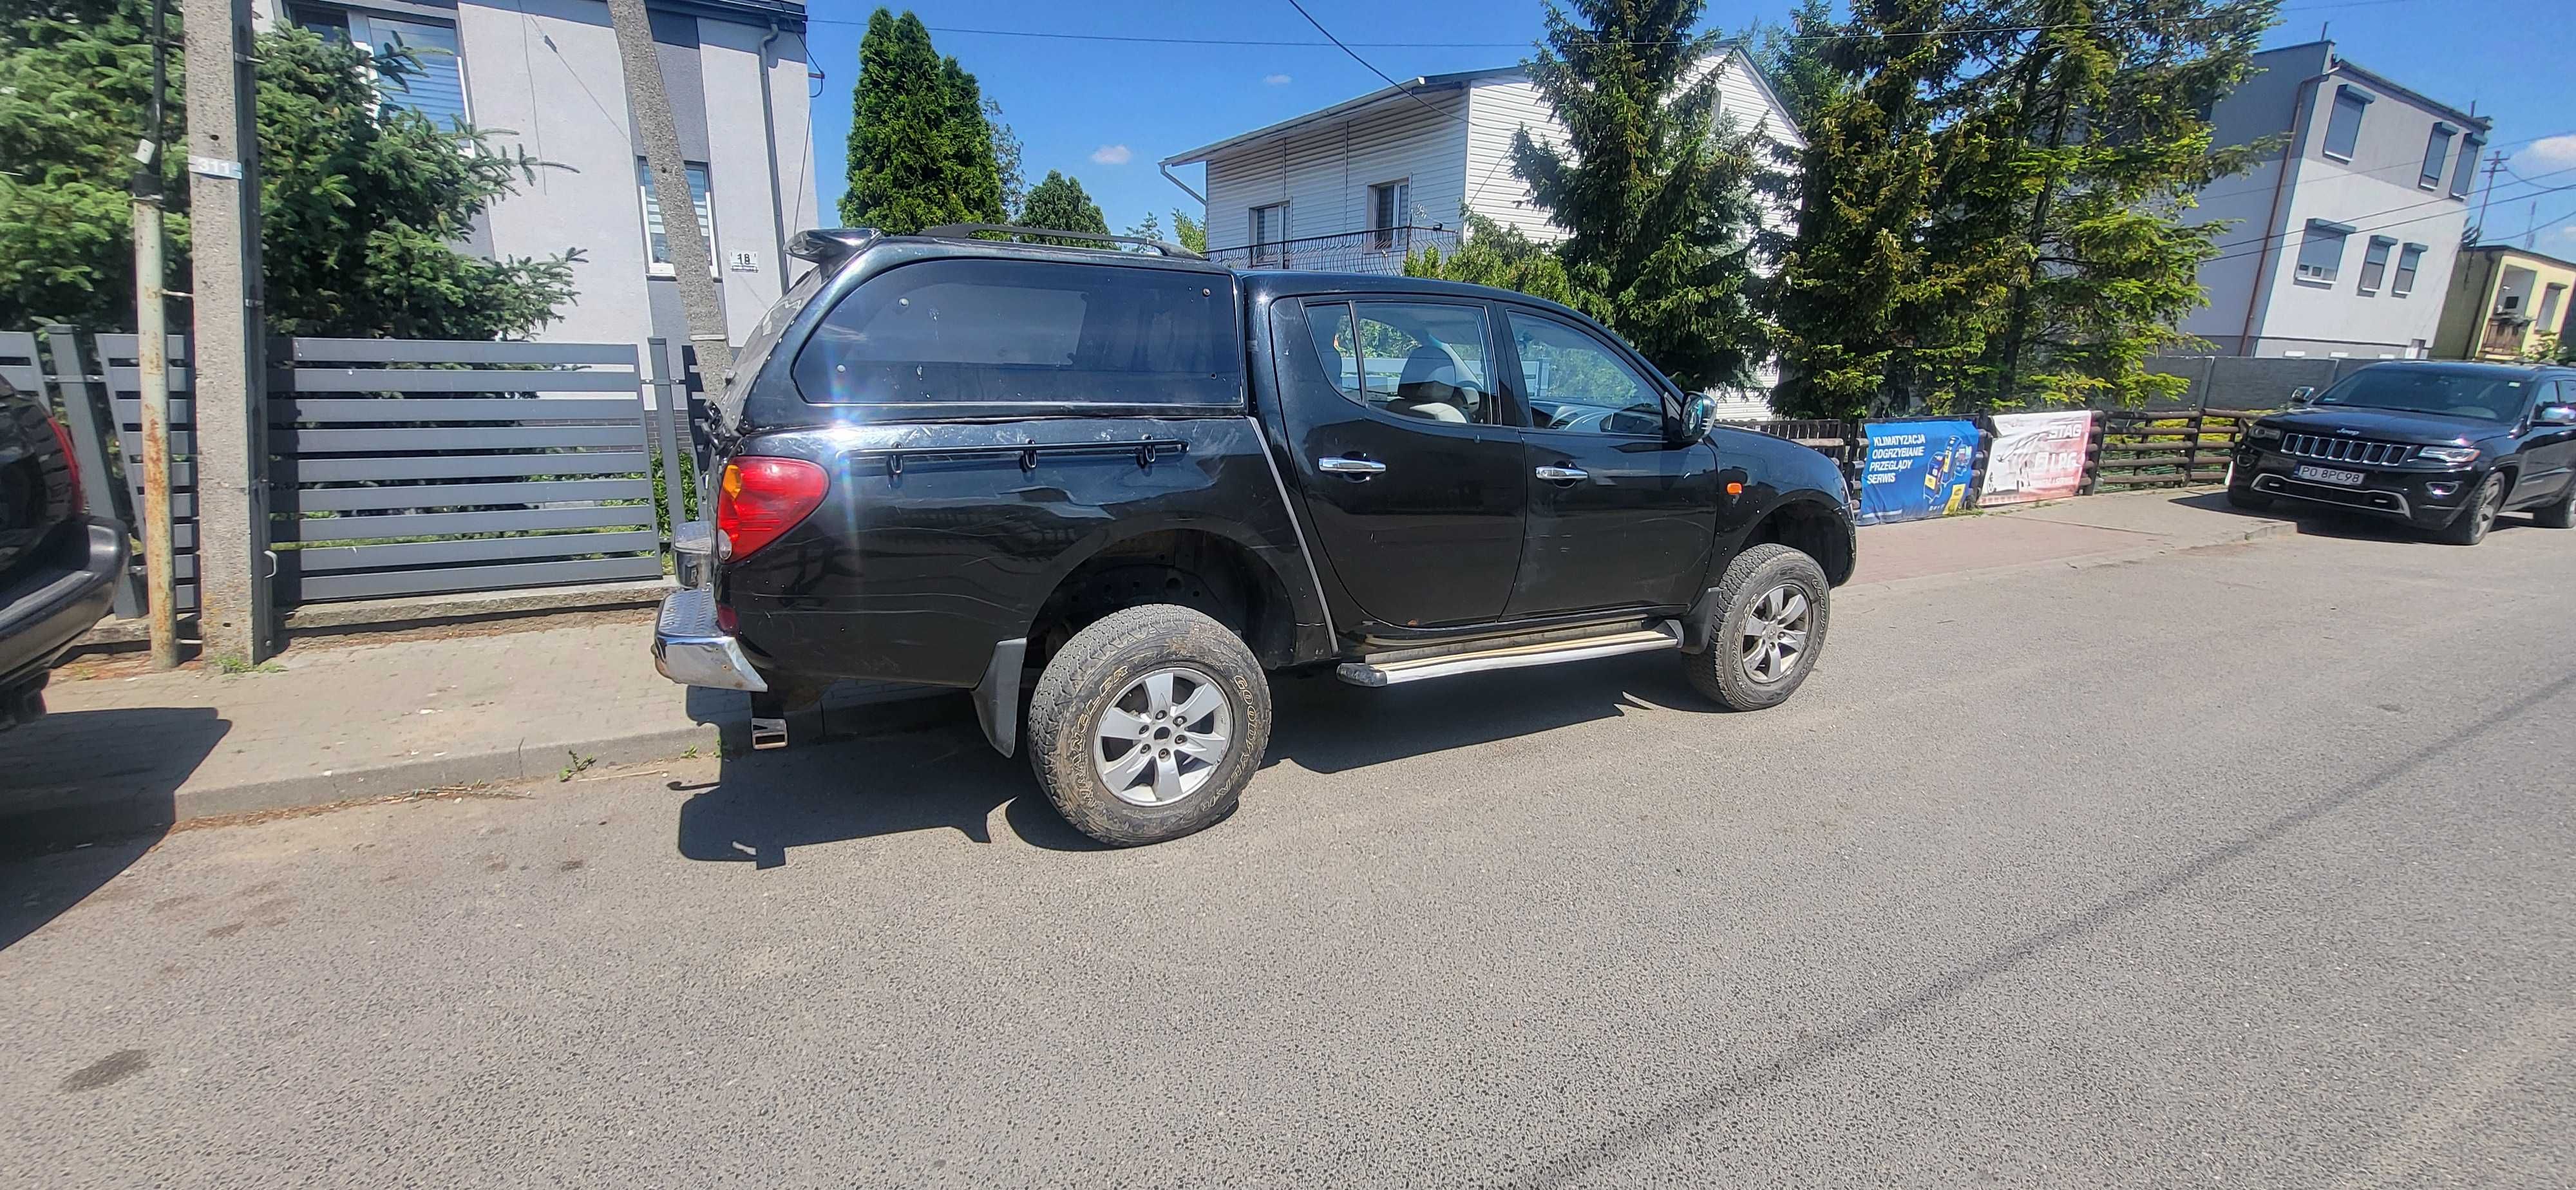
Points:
[[967, 231]]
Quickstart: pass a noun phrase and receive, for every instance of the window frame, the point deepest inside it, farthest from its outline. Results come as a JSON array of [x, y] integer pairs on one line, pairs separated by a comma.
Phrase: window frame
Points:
[[1611, 346], [647, 198], [2553, 298], [2437, 156], [2375, 258], [1267, 251], [2342, 234], [2410, 263], [1504, 413], [808, 333], [2358, 101], [2464, 173], [354, 25], [1386, 232]]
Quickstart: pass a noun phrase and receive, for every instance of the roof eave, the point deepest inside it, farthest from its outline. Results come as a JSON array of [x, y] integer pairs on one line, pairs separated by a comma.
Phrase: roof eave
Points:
[[1418, 85]]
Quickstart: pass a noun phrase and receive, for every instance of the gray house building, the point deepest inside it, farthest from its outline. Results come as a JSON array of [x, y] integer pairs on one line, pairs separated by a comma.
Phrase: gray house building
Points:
[[545, 75], [2342, 242]]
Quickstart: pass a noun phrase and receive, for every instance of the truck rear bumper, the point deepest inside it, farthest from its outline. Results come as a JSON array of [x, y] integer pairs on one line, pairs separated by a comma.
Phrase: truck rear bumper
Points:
[[44, 612], [690, 648]]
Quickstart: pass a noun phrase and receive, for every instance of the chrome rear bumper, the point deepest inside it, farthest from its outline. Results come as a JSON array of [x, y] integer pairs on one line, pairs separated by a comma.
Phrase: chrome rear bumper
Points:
[[690, 649]]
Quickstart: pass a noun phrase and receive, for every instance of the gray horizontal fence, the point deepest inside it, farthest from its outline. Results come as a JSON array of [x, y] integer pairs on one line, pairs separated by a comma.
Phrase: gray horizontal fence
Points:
[[123, 380], [412, 467]]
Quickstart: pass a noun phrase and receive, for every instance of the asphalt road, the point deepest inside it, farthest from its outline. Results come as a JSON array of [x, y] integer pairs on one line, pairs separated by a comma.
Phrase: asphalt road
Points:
[[2245, 866]]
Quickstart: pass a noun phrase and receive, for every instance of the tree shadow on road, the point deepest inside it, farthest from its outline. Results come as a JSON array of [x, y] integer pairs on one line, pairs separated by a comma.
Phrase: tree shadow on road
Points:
[[86, 794], [942, 775]]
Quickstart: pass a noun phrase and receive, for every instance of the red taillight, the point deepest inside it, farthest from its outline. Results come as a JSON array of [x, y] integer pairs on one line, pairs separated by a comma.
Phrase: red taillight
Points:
[[71, 466], [761, 497]]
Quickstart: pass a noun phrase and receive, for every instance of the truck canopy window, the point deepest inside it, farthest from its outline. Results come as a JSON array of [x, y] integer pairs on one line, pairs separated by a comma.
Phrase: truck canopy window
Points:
[[1008, 332]]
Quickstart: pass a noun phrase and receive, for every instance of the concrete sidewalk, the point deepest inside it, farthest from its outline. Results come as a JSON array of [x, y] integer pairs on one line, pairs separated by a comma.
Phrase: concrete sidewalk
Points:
[[125, 749]]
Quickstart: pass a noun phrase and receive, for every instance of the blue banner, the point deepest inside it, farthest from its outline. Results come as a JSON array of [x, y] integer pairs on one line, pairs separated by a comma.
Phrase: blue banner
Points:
[[1916, 469]]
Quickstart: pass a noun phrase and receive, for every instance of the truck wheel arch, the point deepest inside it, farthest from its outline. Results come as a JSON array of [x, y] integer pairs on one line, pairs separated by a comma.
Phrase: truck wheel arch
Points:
[[1811, 523], [1240, 582]]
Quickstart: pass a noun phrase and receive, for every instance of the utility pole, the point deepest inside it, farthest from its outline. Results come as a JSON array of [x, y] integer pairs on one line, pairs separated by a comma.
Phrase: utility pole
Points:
[[152, 362], [229, 348], [649, 105], [2495, 165]]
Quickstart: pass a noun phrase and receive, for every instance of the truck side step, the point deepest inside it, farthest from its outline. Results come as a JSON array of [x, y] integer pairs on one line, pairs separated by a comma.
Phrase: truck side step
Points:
[[1666, 634]]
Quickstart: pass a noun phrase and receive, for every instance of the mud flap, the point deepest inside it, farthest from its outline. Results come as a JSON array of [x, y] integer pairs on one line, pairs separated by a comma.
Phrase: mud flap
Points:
[[1700, 622], [997, 697]]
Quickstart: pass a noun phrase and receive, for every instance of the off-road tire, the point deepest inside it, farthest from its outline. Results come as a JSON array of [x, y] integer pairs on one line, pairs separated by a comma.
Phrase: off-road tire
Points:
[[2561, 515], [2470, 527], [1718, 671], [1087, 675]]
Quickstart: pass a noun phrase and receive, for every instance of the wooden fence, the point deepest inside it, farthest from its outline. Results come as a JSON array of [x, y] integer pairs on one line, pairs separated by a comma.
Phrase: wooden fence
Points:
[[2129, 448]]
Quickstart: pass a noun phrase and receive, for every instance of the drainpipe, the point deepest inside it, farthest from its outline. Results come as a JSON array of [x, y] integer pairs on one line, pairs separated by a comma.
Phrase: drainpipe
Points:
[[2304, 114], [769, 140]]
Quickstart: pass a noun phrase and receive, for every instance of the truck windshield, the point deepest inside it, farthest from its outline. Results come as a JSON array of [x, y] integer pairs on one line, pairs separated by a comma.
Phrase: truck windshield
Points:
[[2449, 392]]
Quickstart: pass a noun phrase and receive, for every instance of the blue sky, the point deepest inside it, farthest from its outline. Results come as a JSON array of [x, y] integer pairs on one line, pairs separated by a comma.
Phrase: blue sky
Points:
[[1106, 111]]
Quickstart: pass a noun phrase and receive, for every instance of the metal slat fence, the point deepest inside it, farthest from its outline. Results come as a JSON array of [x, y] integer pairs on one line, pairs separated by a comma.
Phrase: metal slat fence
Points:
[[411, 467]]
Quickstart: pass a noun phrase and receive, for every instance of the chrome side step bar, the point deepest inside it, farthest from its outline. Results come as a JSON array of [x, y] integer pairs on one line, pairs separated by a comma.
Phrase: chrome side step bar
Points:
[[1666, 634]]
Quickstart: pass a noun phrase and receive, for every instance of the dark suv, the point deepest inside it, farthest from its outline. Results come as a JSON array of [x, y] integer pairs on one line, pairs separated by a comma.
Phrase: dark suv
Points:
[[56, 563], [2441, 446], [1110, 489]]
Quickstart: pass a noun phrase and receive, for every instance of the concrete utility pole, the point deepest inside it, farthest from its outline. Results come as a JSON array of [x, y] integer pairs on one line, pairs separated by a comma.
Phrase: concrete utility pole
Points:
[[650, 107], [152, 364], [229, 346]]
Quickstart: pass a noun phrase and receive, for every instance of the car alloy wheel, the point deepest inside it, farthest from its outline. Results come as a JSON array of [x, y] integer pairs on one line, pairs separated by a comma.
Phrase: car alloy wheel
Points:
[[1775, 634], [1163, 736]]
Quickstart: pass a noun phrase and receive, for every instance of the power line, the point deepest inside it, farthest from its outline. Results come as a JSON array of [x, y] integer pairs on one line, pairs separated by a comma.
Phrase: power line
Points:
[[2440, 200], [2247, 248], [1350, 46], [1355, 57]]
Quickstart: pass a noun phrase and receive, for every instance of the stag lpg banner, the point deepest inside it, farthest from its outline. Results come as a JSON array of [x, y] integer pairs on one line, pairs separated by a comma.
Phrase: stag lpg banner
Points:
[[2036, 456], [1916, 469]]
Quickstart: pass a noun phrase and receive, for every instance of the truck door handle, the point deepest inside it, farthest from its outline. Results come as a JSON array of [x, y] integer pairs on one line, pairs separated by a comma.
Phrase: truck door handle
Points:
[[1342, 466], [1563, 474]]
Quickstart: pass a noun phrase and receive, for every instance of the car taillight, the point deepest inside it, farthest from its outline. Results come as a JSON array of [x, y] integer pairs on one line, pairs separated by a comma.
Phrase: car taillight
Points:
[[71, 466], [761, 497]]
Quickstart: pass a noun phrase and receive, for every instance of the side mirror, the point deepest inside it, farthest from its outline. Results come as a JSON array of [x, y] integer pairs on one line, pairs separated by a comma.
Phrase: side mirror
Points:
[[2555, 415], [2300, 396], [1698, 415]]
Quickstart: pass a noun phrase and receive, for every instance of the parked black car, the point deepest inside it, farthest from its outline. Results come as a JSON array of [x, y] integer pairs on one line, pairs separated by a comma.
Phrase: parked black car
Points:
[[2445, 447], [56, 564], [1112, 489]]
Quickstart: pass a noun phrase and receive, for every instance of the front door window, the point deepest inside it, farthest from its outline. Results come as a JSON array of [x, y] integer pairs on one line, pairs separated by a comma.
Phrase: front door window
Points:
[[1575, 381]]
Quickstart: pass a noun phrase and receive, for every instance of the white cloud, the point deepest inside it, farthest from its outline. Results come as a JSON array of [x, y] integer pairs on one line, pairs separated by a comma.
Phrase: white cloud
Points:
[[2563, 235], [1276, 80], [2548, 152], [1113, 155]]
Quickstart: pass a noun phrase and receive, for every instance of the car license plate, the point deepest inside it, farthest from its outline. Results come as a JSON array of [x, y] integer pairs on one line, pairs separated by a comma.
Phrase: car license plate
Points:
[[2350, 479]]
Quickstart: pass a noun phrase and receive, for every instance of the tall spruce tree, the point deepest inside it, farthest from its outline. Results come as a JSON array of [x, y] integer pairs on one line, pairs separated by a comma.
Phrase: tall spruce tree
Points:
[[1793, 59], [1993, 214], [1059, 202], [1652, 186], [921, 152]]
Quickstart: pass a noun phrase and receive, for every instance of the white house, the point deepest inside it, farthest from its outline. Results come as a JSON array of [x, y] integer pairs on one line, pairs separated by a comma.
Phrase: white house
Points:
[[2343, 241], [544, 75], [1353, 186]]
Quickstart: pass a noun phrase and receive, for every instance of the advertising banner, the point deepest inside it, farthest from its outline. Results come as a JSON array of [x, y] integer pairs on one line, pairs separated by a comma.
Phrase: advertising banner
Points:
[[1916, 469], [2036, 456]]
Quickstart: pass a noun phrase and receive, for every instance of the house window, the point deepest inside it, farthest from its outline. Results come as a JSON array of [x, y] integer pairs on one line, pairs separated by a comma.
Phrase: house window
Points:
[[2321, 251], [1390, 210], [2407, 259], [2468, 165], [2547, 320], [435, 87], [2374, 263], [2437, 153], [657, 243], [2343, 129], [1269, 234]]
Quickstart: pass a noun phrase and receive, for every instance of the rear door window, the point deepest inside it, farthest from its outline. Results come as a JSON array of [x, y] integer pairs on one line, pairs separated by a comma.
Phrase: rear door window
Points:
[[1009, 332], [1423, 360]]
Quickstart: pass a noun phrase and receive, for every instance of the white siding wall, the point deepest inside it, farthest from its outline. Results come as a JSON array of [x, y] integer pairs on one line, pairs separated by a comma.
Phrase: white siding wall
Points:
[[1506, 104], [1324, 171]]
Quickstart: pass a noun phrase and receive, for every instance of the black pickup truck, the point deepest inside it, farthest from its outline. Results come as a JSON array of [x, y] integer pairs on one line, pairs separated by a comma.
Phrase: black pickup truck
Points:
[[1111, 489]]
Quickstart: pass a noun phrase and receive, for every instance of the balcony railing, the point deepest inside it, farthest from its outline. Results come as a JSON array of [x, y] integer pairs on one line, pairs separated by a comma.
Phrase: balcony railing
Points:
[[1379, 250]]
